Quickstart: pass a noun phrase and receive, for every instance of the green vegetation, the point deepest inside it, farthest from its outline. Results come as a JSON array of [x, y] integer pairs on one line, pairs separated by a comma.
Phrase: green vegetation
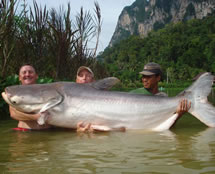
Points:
[[163, 4], [141, 14], [190, 11], [158, 25], [183, 50], [53, 41]]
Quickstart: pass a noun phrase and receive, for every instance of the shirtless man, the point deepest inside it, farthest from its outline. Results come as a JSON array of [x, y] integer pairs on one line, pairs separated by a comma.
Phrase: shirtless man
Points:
[[27, 76]]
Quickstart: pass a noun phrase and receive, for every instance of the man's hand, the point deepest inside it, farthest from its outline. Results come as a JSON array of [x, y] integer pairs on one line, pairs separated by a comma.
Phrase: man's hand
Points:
[[183, 107], [84, 128]]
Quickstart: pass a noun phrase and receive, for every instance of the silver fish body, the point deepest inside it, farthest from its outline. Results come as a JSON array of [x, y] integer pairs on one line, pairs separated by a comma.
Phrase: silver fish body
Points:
[[65, 104]]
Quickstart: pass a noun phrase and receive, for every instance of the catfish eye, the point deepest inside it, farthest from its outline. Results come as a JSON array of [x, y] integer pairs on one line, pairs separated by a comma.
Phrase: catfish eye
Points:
[[14, 102]]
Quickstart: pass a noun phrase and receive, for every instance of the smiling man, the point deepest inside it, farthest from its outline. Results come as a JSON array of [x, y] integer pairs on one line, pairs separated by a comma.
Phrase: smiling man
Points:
[[151, 75], [27, 76]]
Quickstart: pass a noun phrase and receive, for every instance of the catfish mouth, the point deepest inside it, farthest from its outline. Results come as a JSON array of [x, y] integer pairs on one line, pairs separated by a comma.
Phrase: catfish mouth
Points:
[[15, 104], [6, 98]]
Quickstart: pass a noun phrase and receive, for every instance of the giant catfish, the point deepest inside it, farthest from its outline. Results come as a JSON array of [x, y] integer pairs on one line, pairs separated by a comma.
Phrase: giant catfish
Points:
[[65, 104]]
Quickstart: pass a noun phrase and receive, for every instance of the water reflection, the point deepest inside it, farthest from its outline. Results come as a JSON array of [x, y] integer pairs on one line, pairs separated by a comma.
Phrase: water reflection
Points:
[[204, 142], [26, 150], [182, 151]]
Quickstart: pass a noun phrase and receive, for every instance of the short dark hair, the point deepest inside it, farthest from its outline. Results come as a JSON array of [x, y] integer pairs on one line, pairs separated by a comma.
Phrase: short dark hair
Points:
[[27, 64]]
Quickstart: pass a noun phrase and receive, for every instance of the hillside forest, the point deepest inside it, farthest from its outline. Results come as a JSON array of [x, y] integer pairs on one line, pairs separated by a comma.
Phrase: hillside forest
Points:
[[183, 50]]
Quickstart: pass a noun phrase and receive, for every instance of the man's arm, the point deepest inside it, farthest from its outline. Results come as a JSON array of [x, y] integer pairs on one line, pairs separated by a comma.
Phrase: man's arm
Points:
[[21, 116]]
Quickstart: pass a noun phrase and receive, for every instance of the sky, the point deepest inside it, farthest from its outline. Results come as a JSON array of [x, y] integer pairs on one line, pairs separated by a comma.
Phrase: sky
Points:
[[110, 11]]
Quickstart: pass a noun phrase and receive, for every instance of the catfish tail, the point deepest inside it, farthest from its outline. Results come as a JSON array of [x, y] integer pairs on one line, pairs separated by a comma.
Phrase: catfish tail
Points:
[[197, 93]]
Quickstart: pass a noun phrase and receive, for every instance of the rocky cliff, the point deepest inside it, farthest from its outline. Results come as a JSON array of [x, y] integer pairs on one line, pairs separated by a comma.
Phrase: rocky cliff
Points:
[[146, 15]]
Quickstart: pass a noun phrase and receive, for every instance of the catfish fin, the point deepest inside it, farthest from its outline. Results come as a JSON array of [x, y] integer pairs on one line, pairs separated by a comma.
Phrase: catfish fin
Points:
[[106, 83], [53, 102], [167, 124], [43, 118], [101, 128], [198, 93], [107, 129]]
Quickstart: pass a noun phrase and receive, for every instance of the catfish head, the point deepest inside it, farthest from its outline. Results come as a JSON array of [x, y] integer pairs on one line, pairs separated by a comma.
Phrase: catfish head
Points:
[[33, 98]]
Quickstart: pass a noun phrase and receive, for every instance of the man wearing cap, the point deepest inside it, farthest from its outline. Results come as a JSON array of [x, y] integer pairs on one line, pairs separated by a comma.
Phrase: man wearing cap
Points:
[[151, 75], [84, 75]]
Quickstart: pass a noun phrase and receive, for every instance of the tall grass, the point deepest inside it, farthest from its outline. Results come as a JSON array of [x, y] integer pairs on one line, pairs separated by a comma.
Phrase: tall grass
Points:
[[53, 41]]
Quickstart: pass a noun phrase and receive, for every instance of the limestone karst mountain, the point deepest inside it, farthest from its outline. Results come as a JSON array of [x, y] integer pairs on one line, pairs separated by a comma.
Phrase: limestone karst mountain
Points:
[[146, 15]]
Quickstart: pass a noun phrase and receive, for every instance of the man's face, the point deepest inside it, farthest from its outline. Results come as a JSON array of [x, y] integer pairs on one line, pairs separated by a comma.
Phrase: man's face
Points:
[[27, 75], [150, 82], [84, 76]]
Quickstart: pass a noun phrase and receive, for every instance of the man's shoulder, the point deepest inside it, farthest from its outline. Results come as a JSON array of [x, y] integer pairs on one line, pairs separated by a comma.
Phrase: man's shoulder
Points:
[[141, 91], [146, 92], [163, 94]]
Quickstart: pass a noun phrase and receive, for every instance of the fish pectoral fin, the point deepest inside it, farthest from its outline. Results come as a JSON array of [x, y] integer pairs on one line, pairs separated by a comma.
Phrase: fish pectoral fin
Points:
[[101, 128], [53, 102], [43, 118], [106, 83], [167, 123], [106, 128]]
